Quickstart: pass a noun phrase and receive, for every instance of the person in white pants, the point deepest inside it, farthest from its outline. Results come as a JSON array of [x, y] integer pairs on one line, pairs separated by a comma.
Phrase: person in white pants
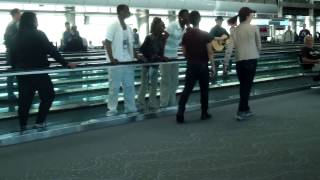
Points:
[[119, 47], [170, 72]]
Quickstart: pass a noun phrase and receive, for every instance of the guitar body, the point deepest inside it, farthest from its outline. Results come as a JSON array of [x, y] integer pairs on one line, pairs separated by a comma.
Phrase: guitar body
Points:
[[218, 45]]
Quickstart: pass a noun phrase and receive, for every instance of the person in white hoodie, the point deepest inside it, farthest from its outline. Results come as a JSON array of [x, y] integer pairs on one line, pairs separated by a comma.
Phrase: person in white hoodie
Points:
[[247, 44], [119, 47]]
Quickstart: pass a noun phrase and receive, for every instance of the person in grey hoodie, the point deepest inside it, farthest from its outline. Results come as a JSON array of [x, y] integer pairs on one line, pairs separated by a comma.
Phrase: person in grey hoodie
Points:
[[247, 44]]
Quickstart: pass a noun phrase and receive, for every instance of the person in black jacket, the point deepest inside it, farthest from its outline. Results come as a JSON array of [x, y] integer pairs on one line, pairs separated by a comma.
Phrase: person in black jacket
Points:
[[153, 50], [29, 51]]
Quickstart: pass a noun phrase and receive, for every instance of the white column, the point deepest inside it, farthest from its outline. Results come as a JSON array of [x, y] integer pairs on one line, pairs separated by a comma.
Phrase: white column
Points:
[[142, 16], [312, 22], [280, 8]]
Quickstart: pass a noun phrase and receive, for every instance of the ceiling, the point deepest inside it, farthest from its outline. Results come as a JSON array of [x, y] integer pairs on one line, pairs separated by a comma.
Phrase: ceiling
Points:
[[222, 5]]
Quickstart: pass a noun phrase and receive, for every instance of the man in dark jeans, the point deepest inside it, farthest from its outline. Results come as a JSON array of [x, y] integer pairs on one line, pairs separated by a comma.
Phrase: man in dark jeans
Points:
[[197, 49]]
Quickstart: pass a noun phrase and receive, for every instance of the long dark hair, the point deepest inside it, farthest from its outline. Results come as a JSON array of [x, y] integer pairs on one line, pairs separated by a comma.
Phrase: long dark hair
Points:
[[243, 13], [154, 25], [242, 18], [28, 21]]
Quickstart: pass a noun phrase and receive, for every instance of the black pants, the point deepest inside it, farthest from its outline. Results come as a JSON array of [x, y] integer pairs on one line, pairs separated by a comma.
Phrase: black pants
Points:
[[195, 72], [27, 86], [246, 71]]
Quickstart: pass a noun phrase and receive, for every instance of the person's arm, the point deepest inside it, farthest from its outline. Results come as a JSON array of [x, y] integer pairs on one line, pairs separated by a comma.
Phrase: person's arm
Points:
[[306, 60], [257, 38], [145, 48], [53, 52], [11, 30], [109, 52], [108, 43]]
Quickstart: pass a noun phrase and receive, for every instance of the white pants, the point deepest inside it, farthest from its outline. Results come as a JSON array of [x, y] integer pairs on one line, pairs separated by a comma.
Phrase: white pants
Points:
[[168, 84], [122, 76]]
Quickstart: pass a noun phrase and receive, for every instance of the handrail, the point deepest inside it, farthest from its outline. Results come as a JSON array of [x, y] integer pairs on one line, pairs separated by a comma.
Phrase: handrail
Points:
[[88, 67]]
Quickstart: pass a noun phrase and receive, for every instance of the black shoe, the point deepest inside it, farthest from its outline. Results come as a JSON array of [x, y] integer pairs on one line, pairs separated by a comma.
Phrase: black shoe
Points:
[[205, 116], [23, 130], [316, 78], [180, 119]]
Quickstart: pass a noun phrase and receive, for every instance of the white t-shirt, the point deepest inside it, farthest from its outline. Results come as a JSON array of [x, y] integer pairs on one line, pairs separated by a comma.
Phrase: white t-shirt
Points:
[[121, 42], [174, 40]]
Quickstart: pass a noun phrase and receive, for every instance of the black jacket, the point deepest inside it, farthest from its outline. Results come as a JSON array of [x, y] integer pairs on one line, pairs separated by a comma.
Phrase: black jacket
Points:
[[30, 49], [153, 48]]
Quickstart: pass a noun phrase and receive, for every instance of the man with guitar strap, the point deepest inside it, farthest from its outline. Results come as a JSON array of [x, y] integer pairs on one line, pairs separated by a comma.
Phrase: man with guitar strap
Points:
[[219, 36]]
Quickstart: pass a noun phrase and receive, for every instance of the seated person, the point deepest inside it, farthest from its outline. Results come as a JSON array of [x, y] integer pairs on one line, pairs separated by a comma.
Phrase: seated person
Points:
[[76, 42], [310, 57]]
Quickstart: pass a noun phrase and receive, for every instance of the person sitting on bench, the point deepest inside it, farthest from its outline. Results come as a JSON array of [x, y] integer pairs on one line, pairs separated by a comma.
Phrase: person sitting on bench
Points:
[[310, 57]]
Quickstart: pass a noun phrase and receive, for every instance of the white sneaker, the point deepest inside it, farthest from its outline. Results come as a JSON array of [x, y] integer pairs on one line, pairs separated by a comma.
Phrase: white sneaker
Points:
[[240, 116], [112, 113]]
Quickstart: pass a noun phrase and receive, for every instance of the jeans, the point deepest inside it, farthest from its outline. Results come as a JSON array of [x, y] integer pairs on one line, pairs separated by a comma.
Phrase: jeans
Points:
[[149, 73], [168, 84], [121, 76], [246, 70], [194, 73]]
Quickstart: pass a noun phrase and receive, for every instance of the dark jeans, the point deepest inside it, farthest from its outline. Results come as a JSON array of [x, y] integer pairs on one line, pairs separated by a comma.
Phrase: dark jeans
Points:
[[27, 86], [246, 71], [194, 73]]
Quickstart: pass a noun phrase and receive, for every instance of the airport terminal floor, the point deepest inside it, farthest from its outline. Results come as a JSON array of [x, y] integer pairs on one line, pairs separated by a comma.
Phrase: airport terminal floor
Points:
[[280, 142]]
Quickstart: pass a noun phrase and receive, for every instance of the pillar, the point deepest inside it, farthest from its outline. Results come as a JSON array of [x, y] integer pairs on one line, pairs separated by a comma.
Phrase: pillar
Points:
[[70, 14], [142, 16]]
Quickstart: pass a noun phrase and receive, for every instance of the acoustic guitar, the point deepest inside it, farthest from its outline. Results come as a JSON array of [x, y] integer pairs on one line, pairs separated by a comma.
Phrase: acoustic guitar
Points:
[[218, 45]]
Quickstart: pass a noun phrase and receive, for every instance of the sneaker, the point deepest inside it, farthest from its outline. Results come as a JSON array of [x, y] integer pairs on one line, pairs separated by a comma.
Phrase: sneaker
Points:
[[240, 116], [248, 113], [112, 113], [180, 119], [40, 126], [205, 116]]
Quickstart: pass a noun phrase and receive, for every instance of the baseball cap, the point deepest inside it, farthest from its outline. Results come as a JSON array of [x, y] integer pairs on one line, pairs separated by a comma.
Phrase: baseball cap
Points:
[[219, 18], [245, 11]]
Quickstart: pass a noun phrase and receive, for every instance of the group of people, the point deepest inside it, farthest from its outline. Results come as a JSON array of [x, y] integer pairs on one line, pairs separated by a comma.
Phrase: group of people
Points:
[[162, 45], [290, 37], [28, 47], [71, 39]]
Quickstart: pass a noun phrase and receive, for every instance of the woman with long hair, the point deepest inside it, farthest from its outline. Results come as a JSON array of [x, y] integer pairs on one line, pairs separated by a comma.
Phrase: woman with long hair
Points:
[[153, 51], [247, 44], [29, 51]]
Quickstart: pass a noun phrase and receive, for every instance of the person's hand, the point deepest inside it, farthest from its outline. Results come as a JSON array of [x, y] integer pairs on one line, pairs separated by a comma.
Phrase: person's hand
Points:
[[213, 70], [114, 61], [225, 69], [141, 58], [165, 35], [166, 59], [72, 65]]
